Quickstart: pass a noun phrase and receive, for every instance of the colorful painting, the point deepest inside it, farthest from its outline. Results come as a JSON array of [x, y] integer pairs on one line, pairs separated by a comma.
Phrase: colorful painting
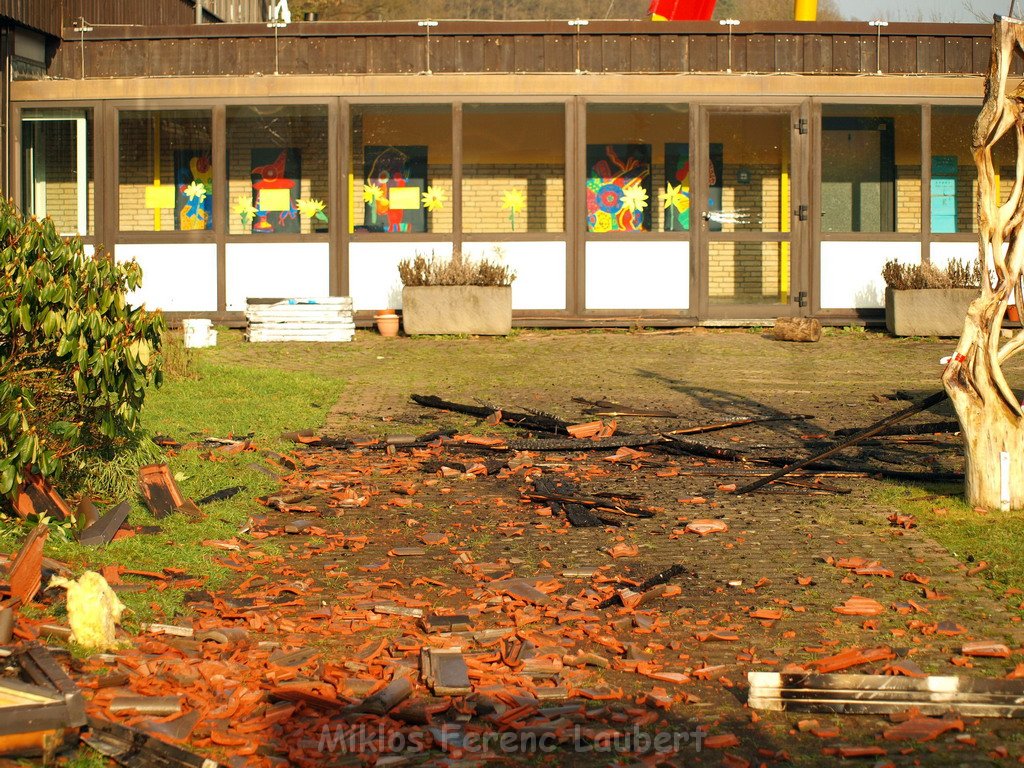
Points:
[[676, 198], [276, 176], [618, 187], [394, 189], [193, 195]]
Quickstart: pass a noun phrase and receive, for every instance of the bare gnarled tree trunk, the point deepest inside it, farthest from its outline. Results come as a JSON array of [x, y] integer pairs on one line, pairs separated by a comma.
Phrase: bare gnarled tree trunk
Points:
[[990, 415]]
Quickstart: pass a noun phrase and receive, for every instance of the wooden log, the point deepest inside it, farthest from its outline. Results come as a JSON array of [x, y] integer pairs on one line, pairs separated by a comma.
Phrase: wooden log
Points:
[[806, 329]]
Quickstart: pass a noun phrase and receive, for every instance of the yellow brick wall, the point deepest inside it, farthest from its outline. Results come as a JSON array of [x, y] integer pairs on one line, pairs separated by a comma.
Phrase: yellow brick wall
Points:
[[60, 161], [542, 188], [743, 273]]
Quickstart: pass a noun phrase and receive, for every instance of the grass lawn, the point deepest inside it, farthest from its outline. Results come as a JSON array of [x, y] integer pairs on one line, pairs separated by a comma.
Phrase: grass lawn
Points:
[[203, 397]]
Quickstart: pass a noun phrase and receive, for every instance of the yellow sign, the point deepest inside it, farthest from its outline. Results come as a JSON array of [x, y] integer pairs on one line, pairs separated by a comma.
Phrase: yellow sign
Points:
[[404, 198], [275, 199], [160, 196]]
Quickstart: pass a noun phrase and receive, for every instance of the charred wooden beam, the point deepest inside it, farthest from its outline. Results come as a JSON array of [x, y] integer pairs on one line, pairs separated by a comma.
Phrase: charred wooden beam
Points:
[[529, 421], [865, 433], [928, 428]]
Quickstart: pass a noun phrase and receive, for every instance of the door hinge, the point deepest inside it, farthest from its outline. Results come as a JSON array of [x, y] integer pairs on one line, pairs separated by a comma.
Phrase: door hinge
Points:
[[801, 126], [801, 299], [802, 213]]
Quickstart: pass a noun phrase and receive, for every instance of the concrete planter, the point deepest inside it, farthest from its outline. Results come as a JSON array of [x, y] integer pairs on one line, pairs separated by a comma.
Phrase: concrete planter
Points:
[[928, 311], [457, 309]]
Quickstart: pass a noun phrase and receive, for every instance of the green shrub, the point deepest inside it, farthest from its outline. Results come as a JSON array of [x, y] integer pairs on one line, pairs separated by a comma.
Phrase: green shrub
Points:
[[957, 274], [458, 270], [75, 357]]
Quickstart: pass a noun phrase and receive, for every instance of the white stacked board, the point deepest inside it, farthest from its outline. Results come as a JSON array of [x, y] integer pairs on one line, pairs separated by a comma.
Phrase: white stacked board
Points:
[[326, 318]]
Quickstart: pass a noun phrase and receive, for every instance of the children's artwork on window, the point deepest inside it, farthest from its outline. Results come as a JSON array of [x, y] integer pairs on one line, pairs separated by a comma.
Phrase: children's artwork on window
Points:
[[276, 176], [193, 196], [677, 195], [618, 187], [394, 189]]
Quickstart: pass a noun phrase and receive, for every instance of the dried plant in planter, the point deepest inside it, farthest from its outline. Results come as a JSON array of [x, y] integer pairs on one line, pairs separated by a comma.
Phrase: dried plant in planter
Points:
[[957, 274], [457, 270]]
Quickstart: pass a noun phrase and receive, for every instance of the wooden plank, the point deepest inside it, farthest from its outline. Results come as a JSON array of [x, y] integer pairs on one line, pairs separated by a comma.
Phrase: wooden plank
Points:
[[760, 53], [673, 53], [855, 682], [901, 53], [931, 54], [881, 707], [703, 51], [817, 53], [529, 53], [614, 53], [957, 55], [643, 53], [846, 54], [558, 53], [498, 54], [789, 53]]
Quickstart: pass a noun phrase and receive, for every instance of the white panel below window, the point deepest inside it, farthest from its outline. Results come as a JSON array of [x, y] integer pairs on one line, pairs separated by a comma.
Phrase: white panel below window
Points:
[[373, 271], [539, 268], [175, 278], [943, 253], [638, 275], [851, 272], [275, 270]]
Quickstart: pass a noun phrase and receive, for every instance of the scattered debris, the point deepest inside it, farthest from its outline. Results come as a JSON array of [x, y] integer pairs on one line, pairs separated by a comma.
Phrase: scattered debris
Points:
[[133, 748], [42, 709], [26, 572], [103, 530], [37, 497], [221, 495], [159, 490], [93, 610]]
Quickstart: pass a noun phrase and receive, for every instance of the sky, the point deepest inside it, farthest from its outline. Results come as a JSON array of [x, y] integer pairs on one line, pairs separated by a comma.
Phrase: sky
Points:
[[928, 10]]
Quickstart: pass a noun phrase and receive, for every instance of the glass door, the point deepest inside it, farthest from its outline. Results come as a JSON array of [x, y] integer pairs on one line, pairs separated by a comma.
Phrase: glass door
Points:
[[751, 213]]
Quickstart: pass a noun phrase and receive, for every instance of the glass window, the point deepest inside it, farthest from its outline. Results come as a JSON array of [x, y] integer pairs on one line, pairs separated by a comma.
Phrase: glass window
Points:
[[56, 168], [870, 169], [277, 169], [402, 169], [749, 176], [954, 191], [513, 168], [637, 168], [166, 173]]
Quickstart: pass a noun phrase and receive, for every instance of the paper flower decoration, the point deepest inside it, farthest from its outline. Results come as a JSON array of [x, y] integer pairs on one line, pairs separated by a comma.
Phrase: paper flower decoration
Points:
[[434, 199], [195, 191], [372, 193], [634, 198], [512, 200], [312, 209], [245, 209], [674, 196]]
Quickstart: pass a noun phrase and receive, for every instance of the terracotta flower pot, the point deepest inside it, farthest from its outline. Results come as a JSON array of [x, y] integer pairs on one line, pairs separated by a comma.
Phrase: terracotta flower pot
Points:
[[1012, 314], [387, 323]]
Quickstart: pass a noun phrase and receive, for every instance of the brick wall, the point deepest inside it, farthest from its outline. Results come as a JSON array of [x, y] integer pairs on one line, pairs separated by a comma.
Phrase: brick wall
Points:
[[746, 273], [57, 163], [542, 188]]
